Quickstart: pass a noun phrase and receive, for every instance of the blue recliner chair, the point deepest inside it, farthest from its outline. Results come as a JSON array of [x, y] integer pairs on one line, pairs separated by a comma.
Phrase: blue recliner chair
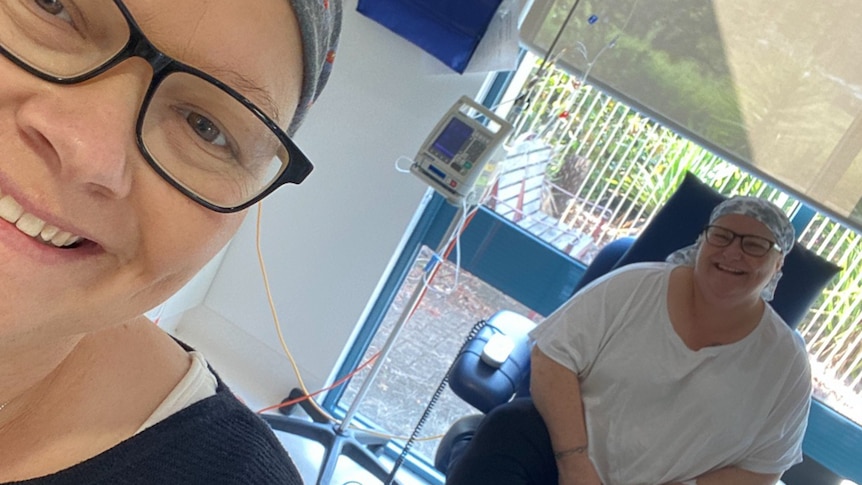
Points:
[[676, 225]]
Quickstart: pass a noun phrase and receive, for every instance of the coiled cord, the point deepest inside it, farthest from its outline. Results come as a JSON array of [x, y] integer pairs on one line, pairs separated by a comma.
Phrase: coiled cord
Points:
[[431, 403]]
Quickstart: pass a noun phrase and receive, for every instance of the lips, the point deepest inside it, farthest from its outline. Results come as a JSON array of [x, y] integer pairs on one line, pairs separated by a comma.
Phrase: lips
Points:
[[36, 228]]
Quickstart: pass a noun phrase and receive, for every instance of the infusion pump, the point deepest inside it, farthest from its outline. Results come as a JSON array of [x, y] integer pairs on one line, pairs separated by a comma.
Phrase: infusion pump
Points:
[[452, 158]]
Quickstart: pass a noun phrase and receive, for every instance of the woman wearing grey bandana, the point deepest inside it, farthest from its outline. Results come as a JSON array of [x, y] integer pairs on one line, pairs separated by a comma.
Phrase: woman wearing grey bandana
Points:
[[662, 373], [135, 133]]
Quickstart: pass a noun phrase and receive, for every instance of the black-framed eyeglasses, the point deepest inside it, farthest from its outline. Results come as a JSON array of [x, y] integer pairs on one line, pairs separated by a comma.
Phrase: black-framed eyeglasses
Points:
[[199, 134], [751, 244]]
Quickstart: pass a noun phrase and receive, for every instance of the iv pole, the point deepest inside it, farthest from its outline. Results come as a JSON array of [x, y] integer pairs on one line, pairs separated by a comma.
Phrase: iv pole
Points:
[[336, 438], [406, 313]]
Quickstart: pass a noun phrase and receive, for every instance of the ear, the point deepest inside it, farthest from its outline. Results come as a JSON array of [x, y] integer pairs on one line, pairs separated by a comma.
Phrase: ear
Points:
[[779, 263]]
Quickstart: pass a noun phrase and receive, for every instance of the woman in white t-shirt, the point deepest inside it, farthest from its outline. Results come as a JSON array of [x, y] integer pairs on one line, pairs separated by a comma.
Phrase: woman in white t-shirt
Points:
[[659, 373]]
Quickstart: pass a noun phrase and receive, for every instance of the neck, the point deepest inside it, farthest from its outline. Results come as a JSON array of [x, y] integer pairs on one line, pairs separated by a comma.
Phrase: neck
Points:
[[724, 321], [25, 368]]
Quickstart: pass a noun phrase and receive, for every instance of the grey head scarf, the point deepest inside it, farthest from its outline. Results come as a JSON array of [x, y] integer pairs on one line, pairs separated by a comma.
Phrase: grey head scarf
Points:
[[320, 26]]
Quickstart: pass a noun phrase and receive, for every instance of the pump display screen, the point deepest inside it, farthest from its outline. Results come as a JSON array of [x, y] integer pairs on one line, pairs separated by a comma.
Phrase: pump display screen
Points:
[[452, 138]]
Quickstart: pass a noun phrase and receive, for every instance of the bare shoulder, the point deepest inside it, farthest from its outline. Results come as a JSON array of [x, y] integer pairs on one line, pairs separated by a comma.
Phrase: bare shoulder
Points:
[[137, 366]]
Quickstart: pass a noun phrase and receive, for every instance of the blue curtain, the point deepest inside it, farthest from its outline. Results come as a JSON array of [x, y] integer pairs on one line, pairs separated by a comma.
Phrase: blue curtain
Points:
[[449, 30]]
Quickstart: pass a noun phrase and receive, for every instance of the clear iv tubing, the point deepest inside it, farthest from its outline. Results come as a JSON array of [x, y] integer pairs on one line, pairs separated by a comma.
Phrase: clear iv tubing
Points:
[[525, 98], [437, 257]]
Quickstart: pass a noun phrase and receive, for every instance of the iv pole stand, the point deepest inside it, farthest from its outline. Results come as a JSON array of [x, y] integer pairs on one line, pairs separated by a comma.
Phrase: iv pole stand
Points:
[[336, 438]]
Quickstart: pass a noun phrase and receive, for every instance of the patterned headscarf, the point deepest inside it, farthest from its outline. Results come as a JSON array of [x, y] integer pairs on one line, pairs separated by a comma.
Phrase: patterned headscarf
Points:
[[320, 26], [758, 209]]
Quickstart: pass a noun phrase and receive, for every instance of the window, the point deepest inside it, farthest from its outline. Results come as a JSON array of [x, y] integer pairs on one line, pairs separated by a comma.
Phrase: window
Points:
[[608, 169], [587, 169]]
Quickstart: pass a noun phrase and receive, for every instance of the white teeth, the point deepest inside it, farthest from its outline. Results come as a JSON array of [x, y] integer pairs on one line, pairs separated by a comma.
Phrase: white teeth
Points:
[[49, 232], [30, 225], [73, 240], [61, 238], [11, 211], [730, 270]]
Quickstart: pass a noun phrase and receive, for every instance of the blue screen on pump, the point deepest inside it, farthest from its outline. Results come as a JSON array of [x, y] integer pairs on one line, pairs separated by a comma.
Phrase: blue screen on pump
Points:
[[452, 138]]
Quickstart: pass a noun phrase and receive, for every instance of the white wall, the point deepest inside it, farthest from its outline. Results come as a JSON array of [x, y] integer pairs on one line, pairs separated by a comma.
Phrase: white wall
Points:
[[327, 243]]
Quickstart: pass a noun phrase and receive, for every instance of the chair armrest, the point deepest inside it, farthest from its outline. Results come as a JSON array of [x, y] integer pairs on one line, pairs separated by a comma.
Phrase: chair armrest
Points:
[[485, 387]]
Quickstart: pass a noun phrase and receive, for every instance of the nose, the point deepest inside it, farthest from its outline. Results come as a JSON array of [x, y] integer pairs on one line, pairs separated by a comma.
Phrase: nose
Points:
[[86, 131]]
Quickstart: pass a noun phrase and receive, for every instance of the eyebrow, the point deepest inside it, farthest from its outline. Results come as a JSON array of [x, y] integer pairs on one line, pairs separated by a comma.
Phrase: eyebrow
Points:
[[248, 88]]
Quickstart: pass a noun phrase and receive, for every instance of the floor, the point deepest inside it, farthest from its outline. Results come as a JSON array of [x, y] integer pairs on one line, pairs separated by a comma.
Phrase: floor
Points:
[[308, 455]]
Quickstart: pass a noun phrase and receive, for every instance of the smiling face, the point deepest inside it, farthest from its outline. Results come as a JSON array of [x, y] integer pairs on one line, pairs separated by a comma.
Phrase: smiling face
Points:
[[71, 173], [729, 275]]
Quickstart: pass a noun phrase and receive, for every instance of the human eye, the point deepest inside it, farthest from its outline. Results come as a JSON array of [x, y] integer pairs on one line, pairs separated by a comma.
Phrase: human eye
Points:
[[719, 235], [756, 245], [57, 14], [210, 136], [206, 129], [48, 23], [209, 128], [55, 9]]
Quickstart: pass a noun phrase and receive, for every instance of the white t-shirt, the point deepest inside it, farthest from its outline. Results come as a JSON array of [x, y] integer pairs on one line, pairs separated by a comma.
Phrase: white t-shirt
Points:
[[657, 411]]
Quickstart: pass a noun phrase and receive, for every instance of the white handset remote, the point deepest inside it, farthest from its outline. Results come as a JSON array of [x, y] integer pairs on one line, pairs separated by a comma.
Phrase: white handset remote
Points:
[[497, 350]]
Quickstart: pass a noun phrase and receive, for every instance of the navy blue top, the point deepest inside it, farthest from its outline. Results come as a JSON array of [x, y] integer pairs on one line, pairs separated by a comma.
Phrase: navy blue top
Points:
[[217, 440]]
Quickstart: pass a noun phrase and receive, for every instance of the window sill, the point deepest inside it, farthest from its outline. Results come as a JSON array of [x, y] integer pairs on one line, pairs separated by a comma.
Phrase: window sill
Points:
[[834, 441]]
